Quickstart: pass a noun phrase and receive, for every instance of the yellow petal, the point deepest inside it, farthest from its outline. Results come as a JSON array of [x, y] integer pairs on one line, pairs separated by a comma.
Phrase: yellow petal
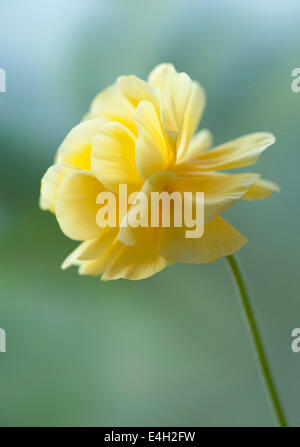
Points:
[[138, 262], [219, 239], [76, 208], [261, 189], [137, 90], [198, 144], [151, 151], [181, 109], [51, 182], [76, 147], [192, 116], [73, 257], [161, 75], [113, 157], [97, 265], [112, 104], [160, 181], [121, 261], [240, 152], [174, 102], [91, 249], [220, 190]]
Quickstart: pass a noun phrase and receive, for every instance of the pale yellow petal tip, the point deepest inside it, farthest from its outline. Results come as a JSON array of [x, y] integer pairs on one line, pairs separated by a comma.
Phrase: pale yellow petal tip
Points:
[[268, 136], [261, 189], [163, 66], [81, 271], [66, 264], [133, 276], [267, 140], [42, 202], [106, 278], [71, 262], [161, 74], [45, 203]]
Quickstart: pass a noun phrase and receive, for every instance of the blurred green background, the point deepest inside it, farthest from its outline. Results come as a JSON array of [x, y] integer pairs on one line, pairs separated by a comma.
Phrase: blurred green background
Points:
[[172, 349]]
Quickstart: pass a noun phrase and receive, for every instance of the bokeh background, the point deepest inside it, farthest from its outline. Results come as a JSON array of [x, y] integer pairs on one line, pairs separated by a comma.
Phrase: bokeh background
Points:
[[172, 349]]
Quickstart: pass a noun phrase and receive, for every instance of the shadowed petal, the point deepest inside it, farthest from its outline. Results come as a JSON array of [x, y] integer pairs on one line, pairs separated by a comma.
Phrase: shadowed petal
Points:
[[198, 144], [219, 239], [220, 190], [261, 189], [151, 148], [237, 153], [76, 147], [122, 261], [91, 249], [76, 208], [174, 102], [192, 116], [113, 157], [112, 104], [51, 181], [137, 90]]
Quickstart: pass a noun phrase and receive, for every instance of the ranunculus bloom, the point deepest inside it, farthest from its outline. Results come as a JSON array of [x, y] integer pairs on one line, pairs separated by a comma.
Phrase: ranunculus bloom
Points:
[[143, 134]]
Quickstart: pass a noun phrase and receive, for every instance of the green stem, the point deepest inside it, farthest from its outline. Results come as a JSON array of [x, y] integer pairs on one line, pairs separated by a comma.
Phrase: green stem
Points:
[[257, 341]]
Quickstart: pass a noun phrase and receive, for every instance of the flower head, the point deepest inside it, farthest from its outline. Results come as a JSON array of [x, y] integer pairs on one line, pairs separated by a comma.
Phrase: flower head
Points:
[[143, 134]]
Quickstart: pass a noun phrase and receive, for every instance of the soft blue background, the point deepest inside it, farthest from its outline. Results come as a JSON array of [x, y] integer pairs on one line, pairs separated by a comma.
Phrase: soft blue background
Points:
[[173, 349]]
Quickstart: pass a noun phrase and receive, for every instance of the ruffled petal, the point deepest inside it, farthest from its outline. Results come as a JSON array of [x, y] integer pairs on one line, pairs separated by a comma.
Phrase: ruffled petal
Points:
[[73, 257], [237, 153], [138, 262], [76, 208], [50, 183], [113, 157], [112, 104], [76, 147], [137, 90], [151, 150], [91, 249], [174, 102], [161, 75], [220, 190], [130, 233], [261, 189], [182, 106], [198, 144], [219, 239], [192, 116], [121, 261]]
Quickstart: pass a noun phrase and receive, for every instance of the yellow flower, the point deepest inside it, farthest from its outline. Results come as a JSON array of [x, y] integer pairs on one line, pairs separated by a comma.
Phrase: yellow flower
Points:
[[143, 134]]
